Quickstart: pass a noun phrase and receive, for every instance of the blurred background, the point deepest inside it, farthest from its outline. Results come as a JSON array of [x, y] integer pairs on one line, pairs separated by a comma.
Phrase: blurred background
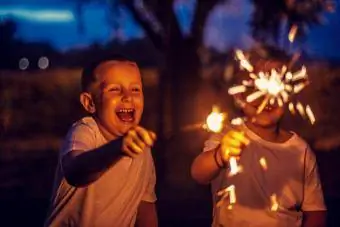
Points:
[[185, 51]]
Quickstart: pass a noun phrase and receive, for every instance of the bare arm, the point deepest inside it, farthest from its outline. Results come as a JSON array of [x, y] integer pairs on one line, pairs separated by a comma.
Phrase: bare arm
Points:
[[81, 168], [208, 164], [314, 219], [205, 168], [147, 215]]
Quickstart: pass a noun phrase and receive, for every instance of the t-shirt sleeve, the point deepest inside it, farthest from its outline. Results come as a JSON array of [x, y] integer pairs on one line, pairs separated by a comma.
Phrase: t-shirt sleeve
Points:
[[313, 198], [150, 194], [213, 142], [79, 138]]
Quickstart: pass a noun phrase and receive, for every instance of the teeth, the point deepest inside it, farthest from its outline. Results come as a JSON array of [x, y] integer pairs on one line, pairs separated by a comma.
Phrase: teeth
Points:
[[125, 110]]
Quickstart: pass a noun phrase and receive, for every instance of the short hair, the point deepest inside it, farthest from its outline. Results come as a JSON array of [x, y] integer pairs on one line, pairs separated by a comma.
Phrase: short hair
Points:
[[259, 57], [267, 53], [88, 74]]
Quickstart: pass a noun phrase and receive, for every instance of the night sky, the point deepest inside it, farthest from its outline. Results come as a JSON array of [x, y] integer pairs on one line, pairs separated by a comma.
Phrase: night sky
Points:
[[57, 22]]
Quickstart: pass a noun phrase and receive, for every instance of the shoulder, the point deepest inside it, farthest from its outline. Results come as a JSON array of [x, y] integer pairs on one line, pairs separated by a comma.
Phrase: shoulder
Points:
[[82, 136], [297, 140], [84, 125]]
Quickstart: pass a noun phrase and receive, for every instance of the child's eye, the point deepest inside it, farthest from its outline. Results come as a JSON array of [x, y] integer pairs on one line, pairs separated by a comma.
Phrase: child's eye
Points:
[[114, 89], [136, 89]]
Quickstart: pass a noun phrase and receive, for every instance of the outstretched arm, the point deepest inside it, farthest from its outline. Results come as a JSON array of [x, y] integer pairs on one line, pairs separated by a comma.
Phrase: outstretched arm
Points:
[[82, 164]]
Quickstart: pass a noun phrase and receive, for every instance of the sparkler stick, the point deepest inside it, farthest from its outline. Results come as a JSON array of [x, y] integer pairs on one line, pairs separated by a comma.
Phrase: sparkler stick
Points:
[[263, 104], [216, 123]]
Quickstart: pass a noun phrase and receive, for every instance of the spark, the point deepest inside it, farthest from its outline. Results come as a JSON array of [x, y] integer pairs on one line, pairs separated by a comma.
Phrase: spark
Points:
[[302, 74], [310, 114], [215, 120], [237, 121], [237, 89], [275, 86], [292, 33], [215, 123], [300, 109], [244, 63], [234, 167], [225, 193], [263, 163], [274, 203], [291, 108]]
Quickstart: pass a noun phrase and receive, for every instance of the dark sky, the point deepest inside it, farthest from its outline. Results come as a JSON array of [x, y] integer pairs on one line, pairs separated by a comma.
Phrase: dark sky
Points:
[[227, 27]]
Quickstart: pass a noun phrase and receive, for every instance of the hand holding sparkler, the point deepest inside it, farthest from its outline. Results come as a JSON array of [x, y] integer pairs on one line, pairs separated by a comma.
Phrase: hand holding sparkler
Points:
[[231, 143]]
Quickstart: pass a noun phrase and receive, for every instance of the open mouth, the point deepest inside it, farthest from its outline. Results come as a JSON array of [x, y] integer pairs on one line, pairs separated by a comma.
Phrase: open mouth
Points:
[[126, 115], [268, 108]]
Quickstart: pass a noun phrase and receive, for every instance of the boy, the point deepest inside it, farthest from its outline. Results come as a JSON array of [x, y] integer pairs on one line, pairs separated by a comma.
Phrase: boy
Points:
[[283, 190], [106, 176]]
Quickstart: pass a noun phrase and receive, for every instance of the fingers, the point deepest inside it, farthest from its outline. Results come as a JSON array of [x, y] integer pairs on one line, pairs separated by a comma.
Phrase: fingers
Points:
[[232, 144], [136, 140], [131, 151], [227, 152], [235, 139], [146, 136]]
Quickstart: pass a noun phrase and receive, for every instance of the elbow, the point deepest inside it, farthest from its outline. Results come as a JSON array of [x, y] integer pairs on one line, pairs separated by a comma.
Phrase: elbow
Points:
[[75, 177], [77, 180], [196, 174], [72, 178]]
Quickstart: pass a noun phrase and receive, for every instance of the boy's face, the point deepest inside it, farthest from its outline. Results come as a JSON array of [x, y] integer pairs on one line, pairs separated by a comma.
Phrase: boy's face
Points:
[[271, 114], [118, 97]]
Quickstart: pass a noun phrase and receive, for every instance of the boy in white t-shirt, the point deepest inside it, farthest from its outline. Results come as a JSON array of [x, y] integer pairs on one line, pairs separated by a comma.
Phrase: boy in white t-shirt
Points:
[[105, 175], [279, 183]]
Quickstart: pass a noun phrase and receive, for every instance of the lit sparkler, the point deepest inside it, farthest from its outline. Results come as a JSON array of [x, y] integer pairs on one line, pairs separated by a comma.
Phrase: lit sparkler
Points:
[[225, 193], [274, 203], [216, 121], [263, 163], [276, 86]]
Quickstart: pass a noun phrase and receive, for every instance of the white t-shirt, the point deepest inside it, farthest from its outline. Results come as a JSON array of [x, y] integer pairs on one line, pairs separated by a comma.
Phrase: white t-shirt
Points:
[[113, 199], [289, 179]]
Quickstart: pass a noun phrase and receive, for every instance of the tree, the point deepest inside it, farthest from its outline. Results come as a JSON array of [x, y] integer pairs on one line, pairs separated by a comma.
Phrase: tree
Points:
[[270, 14]]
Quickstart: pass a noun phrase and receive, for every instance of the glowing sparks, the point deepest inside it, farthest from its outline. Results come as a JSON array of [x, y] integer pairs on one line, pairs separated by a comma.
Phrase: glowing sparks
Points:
[[263, 163], [257, 94], [310, 114], [237, 89], [237, 121], [291, 108], [234, 167], [299, 75], [275, 86], [244, 63], [215, 120], [292, 33], [225, 193], [300, 109], [274, 203]]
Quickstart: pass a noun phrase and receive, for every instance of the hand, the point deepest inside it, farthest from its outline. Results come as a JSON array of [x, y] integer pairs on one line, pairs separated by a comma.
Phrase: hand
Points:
[[232, 144], [136, 140]]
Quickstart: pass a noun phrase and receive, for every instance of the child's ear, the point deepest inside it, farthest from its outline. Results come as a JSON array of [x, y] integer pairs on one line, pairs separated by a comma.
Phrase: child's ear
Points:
[[87, 102]]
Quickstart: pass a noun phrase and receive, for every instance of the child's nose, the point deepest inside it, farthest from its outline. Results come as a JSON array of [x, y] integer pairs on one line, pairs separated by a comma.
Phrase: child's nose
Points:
[[126, 97]]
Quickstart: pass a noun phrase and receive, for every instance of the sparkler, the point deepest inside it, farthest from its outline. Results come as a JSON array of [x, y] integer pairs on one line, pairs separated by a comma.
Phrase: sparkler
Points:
[[216, 122], [276, 86]]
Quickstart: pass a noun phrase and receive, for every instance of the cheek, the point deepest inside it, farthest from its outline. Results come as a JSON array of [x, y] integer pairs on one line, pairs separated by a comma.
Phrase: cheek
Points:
[[109, 103], [139, 101]]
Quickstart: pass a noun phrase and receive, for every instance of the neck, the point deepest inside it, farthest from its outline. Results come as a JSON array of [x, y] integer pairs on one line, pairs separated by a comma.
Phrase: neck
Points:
[[270, 133], [106, 134]]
